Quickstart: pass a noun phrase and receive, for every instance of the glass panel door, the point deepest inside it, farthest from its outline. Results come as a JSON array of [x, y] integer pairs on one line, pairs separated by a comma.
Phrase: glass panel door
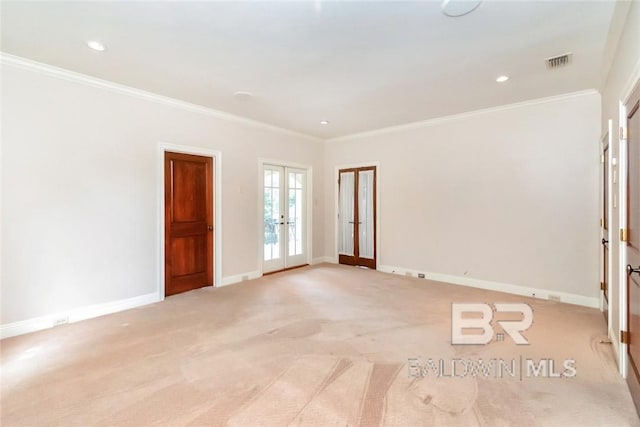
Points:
[[273, 218], [365, 213], [285, 210], [346, 213], [296, 215], [357, 217]]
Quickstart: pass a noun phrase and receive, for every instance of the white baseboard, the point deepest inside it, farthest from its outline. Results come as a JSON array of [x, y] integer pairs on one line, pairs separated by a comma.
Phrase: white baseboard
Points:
[[74, 315], [592, 302], [230, 280], [324, 259]]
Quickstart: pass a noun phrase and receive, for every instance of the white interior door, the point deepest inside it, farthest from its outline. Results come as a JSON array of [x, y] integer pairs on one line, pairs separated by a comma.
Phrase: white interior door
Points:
[[285, 228]]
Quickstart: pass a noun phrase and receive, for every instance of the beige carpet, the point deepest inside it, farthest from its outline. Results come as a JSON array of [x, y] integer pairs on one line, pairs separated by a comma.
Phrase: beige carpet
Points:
[[319, 346]]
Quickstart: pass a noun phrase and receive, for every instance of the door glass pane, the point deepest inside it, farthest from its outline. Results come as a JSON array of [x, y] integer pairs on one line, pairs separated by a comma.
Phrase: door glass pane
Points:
[[295, 220], [345, 213], [365, 213], [272, 212]]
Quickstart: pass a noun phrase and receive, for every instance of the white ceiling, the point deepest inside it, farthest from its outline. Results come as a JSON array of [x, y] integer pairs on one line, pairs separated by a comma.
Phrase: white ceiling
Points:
[[360, 65]]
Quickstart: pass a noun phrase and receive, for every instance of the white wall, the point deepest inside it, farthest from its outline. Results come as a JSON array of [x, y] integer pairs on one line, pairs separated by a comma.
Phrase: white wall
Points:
[[79, 190], [508, 195], [624, 71]]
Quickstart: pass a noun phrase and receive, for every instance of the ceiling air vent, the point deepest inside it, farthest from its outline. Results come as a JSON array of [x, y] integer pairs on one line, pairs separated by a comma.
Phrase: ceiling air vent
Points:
[[558, 61]]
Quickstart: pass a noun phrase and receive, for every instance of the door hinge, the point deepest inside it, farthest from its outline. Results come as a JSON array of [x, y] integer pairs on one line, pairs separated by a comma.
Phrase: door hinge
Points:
[[623, 132], [602, 159], [603, 286], [601, 223], [623, 235], [624, 337]]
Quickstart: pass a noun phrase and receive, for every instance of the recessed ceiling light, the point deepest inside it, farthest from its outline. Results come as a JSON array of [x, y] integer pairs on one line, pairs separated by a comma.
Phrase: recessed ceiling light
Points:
[[502, 79], [324, 122], [456, 8], [95, 45]]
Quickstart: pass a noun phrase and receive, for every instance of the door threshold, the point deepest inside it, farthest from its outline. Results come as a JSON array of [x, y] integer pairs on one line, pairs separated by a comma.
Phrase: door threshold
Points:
[[285, 269]]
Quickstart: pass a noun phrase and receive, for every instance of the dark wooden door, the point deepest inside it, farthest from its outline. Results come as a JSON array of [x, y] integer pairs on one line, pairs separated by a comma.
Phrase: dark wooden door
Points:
[[605, 225], [357, 216], [633, 244], [188, 209]]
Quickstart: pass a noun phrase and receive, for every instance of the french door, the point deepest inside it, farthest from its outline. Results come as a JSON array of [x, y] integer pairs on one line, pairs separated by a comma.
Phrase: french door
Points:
[[285, 206], [357, 216]]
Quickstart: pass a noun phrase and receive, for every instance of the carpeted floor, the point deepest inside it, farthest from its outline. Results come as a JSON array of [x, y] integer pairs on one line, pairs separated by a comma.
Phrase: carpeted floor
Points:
[[319, 346]]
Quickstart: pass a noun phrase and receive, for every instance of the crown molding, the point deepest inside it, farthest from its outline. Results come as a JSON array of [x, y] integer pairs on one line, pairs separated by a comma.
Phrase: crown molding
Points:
[[461, 116], [64, 74], [632, 82]]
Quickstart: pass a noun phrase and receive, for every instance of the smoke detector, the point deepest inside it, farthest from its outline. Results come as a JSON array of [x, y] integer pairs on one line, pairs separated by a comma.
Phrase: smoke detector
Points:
[[558, 61]]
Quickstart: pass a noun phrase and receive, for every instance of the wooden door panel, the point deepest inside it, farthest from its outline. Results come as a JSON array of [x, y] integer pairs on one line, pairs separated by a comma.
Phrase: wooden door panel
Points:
[[188, 222], [188, 258], [186, 283], [634, 322], [605, 225], [605, 273], [633, 242], [189, 184], [605, 189]]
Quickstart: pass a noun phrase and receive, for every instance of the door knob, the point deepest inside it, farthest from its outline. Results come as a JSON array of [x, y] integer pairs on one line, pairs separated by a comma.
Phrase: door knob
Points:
[[631, 270], [604, 241]]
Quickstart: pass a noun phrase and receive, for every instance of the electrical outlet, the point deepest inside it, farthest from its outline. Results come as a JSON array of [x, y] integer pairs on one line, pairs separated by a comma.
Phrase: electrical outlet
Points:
[[408, 273], [554, 298], [245, 277], [60, 320], [421, 275]]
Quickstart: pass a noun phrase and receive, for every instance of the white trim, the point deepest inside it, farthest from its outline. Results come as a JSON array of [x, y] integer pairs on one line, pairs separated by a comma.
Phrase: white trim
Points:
[[230, 280], [606, 142], [75, 315], [64, 74], [592, 302], [461, 116], [309, 208], [622, 247], [336, 202], [217, 208], [614, 344], [632, 83]]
